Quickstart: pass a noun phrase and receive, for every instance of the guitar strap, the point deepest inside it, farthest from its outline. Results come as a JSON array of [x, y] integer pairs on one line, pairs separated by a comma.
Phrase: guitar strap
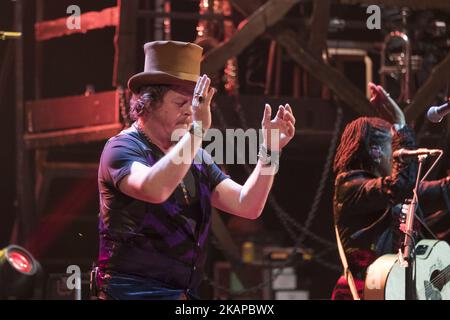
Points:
[[347, 273]]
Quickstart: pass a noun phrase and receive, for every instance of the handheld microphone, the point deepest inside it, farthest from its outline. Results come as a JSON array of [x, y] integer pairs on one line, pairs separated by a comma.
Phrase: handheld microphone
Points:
[[436, 113], [406, 153]]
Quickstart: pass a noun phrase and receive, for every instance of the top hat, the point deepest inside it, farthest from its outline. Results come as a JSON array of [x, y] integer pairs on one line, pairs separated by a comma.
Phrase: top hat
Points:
[[168, 62]]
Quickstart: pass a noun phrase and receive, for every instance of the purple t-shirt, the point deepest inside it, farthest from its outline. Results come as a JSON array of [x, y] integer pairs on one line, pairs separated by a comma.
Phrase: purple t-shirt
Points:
[[163, 242]]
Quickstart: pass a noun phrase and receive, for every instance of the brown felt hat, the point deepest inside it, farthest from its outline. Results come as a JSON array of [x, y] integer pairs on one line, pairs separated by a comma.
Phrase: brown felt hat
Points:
[[168, 62]]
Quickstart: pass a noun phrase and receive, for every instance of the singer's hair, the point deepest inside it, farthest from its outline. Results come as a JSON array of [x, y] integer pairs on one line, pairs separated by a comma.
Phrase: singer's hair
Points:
[[357, 139], [148, 96]]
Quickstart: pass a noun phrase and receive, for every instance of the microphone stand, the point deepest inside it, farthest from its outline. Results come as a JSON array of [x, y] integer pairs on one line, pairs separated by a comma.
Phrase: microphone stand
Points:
[[409, 253]]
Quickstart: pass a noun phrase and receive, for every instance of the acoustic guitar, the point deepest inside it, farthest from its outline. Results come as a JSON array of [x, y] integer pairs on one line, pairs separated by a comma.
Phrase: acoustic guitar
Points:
[[385, 278]]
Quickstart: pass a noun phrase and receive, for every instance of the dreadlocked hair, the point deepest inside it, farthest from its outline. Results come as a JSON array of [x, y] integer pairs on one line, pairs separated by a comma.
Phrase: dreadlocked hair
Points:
[[358, 136], [147, 96]]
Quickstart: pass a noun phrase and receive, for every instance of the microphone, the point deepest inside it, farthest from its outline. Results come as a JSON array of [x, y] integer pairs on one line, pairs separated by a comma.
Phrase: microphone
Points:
[[436, 113], [406, 153]]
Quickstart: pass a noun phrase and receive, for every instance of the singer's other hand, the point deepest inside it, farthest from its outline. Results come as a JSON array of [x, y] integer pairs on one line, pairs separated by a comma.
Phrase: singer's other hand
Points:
[[385, 106]]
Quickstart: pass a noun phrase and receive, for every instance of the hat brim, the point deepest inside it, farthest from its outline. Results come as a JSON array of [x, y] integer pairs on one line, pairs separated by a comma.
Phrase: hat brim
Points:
[[142, 79]]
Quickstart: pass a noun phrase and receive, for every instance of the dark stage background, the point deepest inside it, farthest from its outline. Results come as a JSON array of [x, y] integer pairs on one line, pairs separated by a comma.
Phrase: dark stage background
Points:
[[66, 232]]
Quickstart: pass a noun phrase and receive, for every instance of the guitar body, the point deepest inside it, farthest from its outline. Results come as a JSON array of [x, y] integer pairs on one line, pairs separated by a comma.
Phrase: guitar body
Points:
[[385, 278]]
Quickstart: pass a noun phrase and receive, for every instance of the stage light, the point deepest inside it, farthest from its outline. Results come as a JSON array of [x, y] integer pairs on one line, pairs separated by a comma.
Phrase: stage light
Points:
[[18, 270]]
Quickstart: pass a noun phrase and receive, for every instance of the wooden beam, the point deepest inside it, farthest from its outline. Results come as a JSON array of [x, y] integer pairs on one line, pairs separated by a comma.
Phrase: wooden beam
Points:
[[331, 77], [258, 23], [245, 7], [190, 16], [26, 219], [318, 27], [72, 112], [6, 67], [38, 53], [72, 136], [125, 42], [413, 4], [46, 30], [319, 24], [437, 79]]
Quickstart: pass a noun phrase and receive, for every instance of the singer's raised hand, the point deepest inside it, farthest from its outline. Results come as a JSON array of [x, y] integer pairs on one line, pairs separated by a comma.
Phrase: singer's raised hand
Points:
[[284, 123], [385, 106]]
